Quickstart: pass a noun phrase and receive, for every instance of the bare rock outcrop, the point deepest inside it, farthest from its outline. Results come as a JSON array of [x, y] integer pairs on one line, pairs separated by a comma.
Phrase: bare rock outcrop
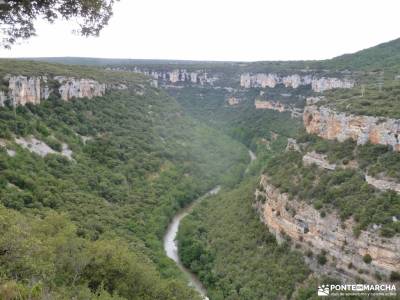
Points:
[[176, 76], [41, 148], [272, 105], [330, 124], [324, 84], [295, 112], [33, 89], [71, 87], [306, 227], [23, 90], [318, 159], [34, 145], [383, 184], [292, 145], [321, 84], [232, 101]]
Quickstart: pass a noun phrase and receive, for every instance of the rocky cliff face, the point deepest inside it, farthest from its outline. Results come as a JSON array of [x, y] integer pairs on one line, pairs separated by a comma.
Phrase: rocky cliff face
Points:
[[305, 226], [23, 89], [175, 76], [323, 84], [294, 81], [330, 124], [79, 88]]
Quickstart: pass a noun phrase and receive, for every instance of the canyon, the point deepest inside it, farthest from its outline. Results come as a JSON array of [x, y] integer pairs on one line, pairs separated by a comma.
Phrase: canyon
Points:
[[203, 77], [305, 226], [330, 124]]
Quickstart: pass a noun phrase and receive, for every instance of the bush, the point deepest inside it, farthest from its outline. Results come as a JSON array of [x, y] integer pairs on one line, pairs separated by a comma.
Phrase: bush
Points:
[[321, 258], [54, 144], [367, 258]]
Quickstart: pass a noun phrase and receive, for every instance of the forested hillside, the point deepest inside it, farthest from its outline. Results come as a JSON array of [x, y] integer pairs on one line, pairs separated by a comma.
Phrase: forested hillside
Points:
[[91, 226], [243, 122]]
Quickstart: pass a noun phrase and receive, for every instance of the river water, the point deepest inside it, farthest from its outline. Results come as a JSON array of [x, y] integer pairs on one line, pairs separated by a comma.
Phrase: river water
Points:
[[170, 244]]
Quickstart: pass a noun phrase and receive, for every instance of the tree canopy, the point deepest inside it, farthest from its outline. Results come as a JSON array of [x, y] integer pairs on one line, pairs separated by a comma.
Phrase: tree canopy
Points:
[[17, 17]]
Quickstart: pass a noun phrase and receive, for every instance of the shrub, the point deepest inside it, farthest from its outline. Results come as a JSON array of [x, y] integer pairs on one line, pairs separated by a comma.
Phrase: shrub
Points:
[[350, 265], [367, 258], [309, 253], [321, 258]]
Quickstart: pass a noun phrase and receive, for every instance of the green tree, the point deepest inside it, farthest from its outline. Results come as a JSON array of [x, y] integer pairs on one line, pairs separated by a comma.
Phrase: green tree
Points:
[[17, 17]]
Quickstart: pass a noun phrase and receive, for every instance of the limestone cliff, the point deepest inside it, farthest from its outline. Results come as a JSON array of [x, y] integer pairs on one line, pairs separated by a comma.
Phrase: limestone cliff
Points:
[[71, 87], [294, 81], [176, 76], [330, 124], [306, 227], [23, 89], [33, 89]]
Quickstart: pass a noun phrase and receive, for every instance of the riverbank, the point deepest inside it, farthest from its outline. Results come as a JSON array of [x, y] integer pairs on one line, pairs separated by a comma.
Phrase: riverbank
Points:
[[170, 244]]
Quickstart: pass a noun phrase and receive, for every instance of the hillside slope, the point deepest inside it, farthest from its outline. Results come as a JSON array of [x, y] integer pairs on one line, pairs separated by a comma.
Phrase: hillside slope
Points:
[[382, 56]]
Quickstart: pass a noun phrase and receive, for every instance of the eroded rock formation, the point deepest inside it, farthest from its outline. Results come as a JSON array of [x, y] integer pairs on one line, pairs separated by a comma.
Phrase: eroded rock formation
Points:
[[383, 184], [318, 159], [330, 124], [233, 101], [294, 81], [41, 148], [178, 76], [295, 112], [24, 89], [71, 87], [306, 227], [323, 84], [292, 145], [273, 105]]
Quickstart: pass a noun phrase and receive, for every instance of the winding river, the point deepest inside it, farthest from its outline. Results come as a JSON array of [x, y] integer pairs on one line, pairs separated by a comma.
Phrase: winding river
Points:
[[171, 246]]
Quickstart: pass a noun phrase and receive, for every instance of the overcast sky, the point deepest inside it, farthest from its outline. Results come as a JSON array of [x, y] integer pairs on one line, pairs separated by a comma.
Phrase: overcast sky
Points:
[[245, 30]]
